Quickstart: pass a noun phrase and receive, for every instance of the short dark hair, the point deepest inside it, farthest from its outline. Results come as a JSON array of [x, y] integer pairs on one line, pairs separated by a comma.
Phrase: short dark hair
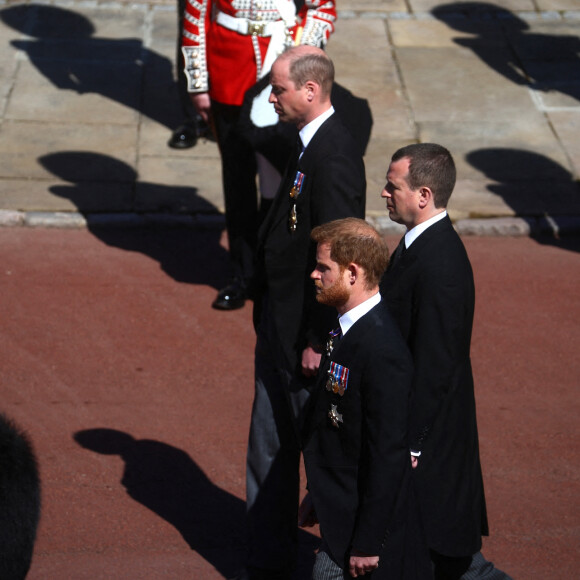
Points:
[[431, 165], [353, 240], [312, 67]]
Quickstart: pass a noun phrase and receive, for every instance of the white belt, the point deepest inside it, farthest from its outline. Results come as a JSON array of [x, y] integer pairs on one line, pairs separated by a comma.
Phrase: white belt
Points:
[[244, 26]]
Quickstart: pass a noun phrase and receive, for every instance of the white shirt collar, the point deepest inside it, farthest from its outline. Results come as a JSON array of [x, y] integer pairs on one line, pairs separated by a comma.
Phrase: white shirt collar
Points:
[[414, 233], [349, 318], [308, 131]]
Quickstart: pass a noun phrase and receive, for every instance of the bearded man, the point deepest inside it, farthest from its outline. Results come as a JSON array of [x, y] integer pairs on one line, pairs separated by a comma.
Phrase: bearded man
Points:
[[356, 451]]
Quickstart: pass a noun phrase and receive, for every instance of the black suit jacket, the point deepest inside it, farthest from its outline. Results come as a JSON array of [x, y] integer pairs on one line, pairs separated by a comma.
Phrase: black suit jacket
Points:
[[430, 292], [334, 187], [358, 473]]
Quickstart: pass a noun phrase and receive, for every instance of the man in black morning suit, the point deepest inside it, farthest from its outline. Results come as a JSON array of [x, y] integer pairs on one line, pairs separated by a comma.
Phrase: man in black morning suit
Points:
[[324, 181], [429, 289], [356, 452]]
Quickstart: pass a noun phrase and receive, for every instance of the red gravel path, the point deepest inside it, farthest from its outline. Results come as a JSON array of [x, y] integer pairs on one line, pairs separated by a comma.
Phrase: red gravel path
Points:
[[137, 396]]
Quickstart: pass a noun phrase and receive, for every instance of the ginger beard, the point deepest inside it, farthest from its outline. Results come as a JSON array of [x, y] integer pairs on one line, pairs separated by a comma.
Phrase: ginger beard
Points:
[[335, 295]]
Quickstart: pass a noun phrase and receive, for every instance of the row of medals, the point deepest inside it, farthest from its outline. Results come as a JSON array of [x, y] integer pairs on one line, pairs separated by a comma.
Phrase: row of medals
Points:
[[293, 218], [332, 384]]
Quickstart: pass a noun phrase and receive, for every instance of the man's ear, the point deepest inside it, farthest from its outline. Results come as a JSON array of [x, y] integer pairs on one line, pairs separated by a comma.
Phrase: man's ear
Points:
[[312, 90], [354, 272], [425, 197]]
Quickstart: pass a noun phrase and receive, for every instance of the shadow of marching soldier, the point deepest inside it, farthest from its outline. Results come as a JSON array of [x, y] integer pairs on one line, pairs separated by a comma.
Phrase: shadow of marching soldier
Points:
[[544, 62], [100, 184], [65, 52], [534, 186], [167, 481]]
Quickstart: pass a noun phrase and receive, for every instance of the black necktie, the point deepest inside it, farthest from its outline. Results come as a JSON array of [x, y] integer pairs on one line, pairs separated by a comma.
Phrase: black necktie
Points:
[[299, 148], [399, 252]]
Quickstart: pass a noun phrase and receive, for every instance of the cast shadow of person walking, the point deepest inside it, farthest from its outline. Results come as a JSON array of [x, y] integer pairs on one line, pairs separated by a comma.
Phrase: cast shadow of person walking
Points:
[[167, 481], [546, 63], [65, 51], [190, 255], [534, 185]]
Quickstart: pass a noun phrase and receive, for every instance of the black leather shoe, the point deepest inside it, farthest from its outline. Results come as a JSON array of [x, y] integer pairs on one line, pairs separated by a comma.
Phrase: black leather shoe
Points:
[[184, 137], [232, 297]]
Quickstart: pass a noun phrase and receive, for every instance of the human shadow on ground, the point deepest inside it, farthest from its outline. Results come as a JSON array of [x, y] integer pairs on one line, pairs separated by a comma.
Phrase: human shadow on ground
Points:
[[65, 51], [187, 254], [167, 481], [533, 185], [544, 62]]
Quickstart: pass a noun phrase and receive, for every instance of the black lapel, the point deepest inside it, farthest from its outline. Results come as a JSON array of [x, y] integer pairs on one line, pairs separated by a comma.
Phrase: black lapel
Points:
[[415, 249], [280, 199]]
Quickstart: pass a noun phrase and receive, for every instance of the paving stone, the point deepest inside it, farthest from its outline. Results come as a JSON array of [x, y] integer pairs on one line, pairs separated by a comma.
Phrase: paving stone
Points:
[[557, 4], [549, 53], [474, 199], [153, 139], [160, 101], [59, 196], [107, 151], [72, 93], [8, 67], [557, 97], [372, 5], [379, 83], [7, 33], [454, 85], [171, 199], [567, 126], [164, 27], [496, 227], [428, 5], [88, 100], [437, 33], [115, 23], [511, 146], [183, 177], [348, 52]]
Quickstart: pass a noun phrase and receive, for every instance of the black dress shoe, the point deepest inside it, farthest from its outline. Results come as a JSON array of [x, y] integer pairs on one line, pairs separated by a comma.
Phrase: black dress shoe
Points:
[[184, 137], [232, 297]]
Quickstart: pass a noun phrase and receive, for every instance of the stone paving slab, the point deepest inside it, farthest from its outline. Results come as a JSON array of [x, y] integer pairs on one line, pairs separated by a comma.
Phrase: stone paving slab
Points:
[[567, 126], [88, 99], [34, 100]]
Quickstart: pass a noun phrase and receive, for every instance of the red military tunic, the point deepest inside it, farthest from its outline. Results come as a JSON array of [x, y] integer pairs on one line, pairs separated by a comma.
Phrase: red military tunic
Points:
[[224, 42]]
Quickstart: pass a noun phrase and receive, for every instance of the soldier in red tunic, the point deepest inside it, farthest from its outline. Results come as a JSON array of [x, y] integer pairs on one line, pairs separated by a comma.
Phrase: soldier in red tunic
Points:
[[228, 45]]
